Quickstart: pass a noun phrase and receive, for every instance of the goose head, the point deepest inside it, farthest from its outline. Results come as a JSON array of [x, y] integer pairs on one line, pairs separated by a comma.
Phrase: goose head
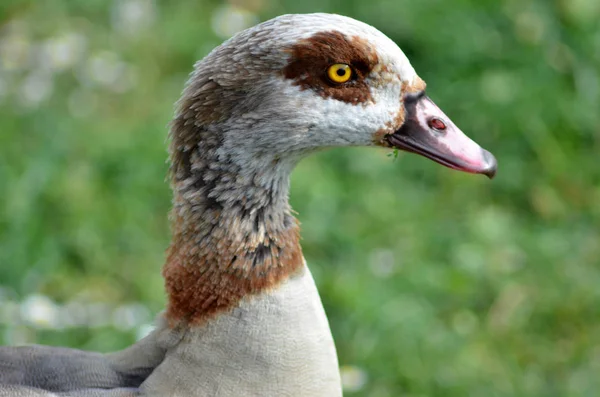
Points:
[[253, 108], [300, 83]]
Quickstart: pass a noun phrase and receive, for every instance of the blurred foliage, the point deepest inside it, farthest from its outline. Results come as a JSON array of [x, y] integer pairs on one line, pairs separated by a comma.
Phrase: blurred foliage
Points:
[[436, 283]]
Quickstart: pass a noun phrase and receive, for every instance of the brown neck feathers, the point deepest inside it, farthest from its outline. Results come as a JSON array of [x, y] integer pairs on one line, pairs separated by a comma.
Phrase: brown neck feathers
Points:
[[232, 237]]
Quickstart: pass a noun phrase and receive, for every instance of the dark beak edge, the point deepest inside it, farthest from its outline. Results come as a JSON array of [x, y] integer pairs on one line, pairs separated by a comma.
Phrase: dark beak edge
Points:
[[429, 132]]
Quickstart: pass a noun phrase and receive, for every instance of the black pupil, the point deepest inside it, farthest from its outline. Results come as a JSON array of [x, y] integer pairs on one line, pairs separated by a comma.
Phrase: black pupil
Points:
[[341, 72]]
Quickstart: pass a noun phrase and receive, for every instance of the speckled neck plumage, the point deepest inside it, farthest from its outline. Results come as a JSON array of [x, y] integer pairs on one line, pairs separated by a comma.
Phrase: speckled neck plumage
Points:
[[237, 135], [233, 232]]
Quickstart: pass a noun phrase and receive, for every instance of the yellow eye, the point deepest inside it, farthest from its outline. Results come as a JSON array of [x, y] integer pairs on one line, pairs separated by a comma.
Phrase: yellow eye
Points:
[[339, 73]]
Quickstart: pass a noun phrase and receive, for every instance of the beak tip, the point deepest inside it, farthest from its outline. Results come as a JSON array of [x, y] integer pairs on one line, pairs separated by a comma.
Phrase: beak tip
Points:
[[490, 174], [491, 165]]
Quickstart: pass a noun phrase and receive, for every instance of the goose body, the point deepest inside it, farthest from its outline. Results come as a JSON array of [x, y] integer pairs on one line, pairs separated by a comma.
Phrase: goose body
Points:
[[244, 317]]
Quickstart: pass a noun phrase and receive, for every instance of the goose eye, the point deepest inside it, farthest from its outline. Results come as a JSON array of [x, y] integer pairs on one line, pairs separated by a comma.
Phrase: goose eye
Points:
[[339, 73]]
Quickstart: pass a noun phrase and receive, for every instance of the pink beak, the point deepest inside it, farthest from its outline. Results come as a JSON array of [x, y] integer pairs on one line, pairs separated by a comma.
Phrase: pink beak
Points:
[[429, 132]]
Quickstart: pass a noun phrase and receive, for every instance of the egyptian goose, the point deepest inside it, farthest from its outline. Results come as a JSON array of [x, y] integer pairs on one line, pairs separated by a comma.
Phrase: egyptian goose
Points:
[[244, 317]]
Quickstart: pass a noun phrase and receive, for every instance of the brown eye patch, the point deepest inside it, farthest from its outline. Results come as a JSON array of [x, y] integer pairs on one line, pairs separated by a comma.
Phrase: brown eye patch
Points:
[[311, 58]]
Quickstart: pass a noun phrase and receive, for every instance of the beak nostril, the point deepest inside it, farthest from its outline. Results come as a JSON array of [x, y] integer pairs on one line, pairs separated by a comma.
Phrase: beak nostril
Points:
[[437, 124]]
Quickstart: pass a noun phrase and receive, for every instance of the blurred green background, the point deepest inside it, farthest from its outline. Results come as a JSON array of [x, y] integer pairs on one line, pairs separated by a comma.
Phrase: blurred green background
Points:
[[436, 283]]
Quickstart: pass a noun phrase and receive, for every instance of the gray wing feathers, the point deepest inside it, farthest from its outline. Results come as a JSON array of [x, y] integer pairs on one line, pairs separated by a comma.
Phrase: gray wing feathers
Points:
[[60, 369], [25, 391], [62, 372]]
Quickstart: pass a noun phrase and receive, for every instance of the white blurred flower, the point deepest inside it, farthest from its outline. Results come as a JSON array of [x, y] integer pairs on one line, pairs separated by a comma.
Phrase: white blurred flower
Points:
[[227, 20], [36, 88], [129, 17], [126, 317], [104, 68], [353, 378], [62, 52], [98, 314], [126, 80], [39, 311], [73, 314], [107, 70]]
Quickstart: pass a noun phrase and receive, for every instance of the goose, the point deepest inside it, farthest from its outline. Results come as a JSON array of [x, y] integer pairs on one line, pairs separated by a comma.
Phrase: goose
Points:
[[243, 315]]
